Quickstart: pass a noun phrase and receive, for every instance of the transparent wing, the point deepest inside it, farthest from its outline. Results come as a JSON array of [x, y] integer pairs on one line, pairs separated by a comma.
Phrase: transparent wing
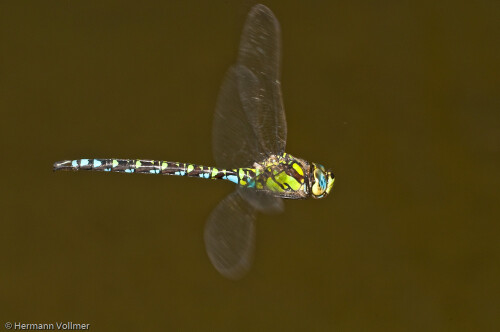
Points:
[[262, 201], [260, 51], [249, 122], [234, 140], [230, 236], [249, 125]]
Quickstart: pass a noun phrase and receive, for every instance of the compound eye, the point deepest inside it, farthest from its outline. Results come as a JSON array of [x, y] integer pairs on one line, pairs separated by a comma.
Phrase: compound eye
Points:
[[319, 185], [320, 177]]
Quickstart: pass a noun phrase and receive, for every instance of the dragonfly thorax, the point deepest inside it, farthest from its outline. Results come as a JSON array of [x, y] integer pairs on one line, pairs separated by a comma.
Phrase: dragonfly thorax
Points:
[[288, 177]]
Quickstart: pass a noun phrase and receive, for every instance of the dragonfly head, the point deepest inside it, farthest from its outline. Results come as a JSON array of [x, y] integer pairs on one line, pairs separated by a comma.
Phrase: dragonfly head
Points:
[[322, 181]]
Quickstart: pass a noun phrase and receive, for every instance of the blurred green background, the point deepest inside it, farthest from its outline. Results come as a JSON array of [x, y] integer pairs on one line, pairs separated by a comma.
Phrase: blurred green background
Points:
[[400, 99]]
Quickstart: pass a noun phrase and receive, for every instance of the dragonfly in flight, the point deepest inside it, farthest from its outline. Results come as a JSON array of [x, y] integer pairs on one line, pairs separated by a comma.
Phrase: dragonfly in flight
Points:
[[248, 141]]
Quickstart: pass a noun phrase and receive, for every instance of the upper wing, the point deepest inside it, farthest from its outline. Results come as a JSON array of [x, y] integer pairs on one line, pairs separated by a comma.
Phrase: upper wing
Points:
[[234, 141], [260, 51], [249, 122]]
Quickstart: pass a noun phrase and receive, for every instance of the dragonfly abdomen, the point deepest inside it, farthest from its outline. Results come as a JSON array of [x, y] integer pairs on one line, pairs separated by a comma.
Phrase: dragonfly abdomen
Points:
[[109, 165], [148, 167]]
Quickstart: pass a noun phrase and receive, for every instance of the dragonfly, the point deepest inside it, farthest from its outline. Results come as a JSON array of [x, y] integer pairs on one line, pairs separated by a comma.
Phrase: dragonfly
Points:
[[248, 141]]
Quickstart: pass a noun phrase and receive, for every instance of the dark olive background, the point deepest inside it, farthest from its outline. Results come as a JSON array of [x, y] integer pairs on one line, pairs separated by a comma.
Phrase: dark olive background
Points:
[[400, 99]]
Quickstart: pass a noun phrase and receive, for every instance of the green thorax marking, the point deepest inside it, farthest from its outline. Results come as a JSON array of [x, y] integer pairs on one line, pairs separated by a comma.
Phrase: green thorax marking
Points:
[[279, 174]]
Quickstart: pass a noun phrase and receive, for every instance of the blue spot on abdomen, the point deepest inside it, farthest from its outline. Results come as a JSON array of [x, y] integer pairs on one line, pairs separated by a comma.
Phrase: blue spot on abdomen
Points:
[[233, 178]]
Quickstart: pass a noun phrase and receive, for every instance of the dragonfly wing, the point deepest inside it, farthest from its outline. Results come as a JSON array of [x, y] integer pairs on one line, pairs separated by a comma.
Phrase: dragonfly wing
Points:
[[262, 201], [234, 140], [230, 236], [249, 123], [260, 52]]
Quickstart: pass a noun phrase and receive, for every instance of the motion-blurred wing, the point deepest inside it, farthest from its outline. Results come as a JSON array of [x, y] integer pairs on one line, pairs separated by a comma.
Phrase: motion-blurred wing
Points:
[[262, 200], [260, 51], [234, 140], [249, 123], [249, 126], [230, 236]]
